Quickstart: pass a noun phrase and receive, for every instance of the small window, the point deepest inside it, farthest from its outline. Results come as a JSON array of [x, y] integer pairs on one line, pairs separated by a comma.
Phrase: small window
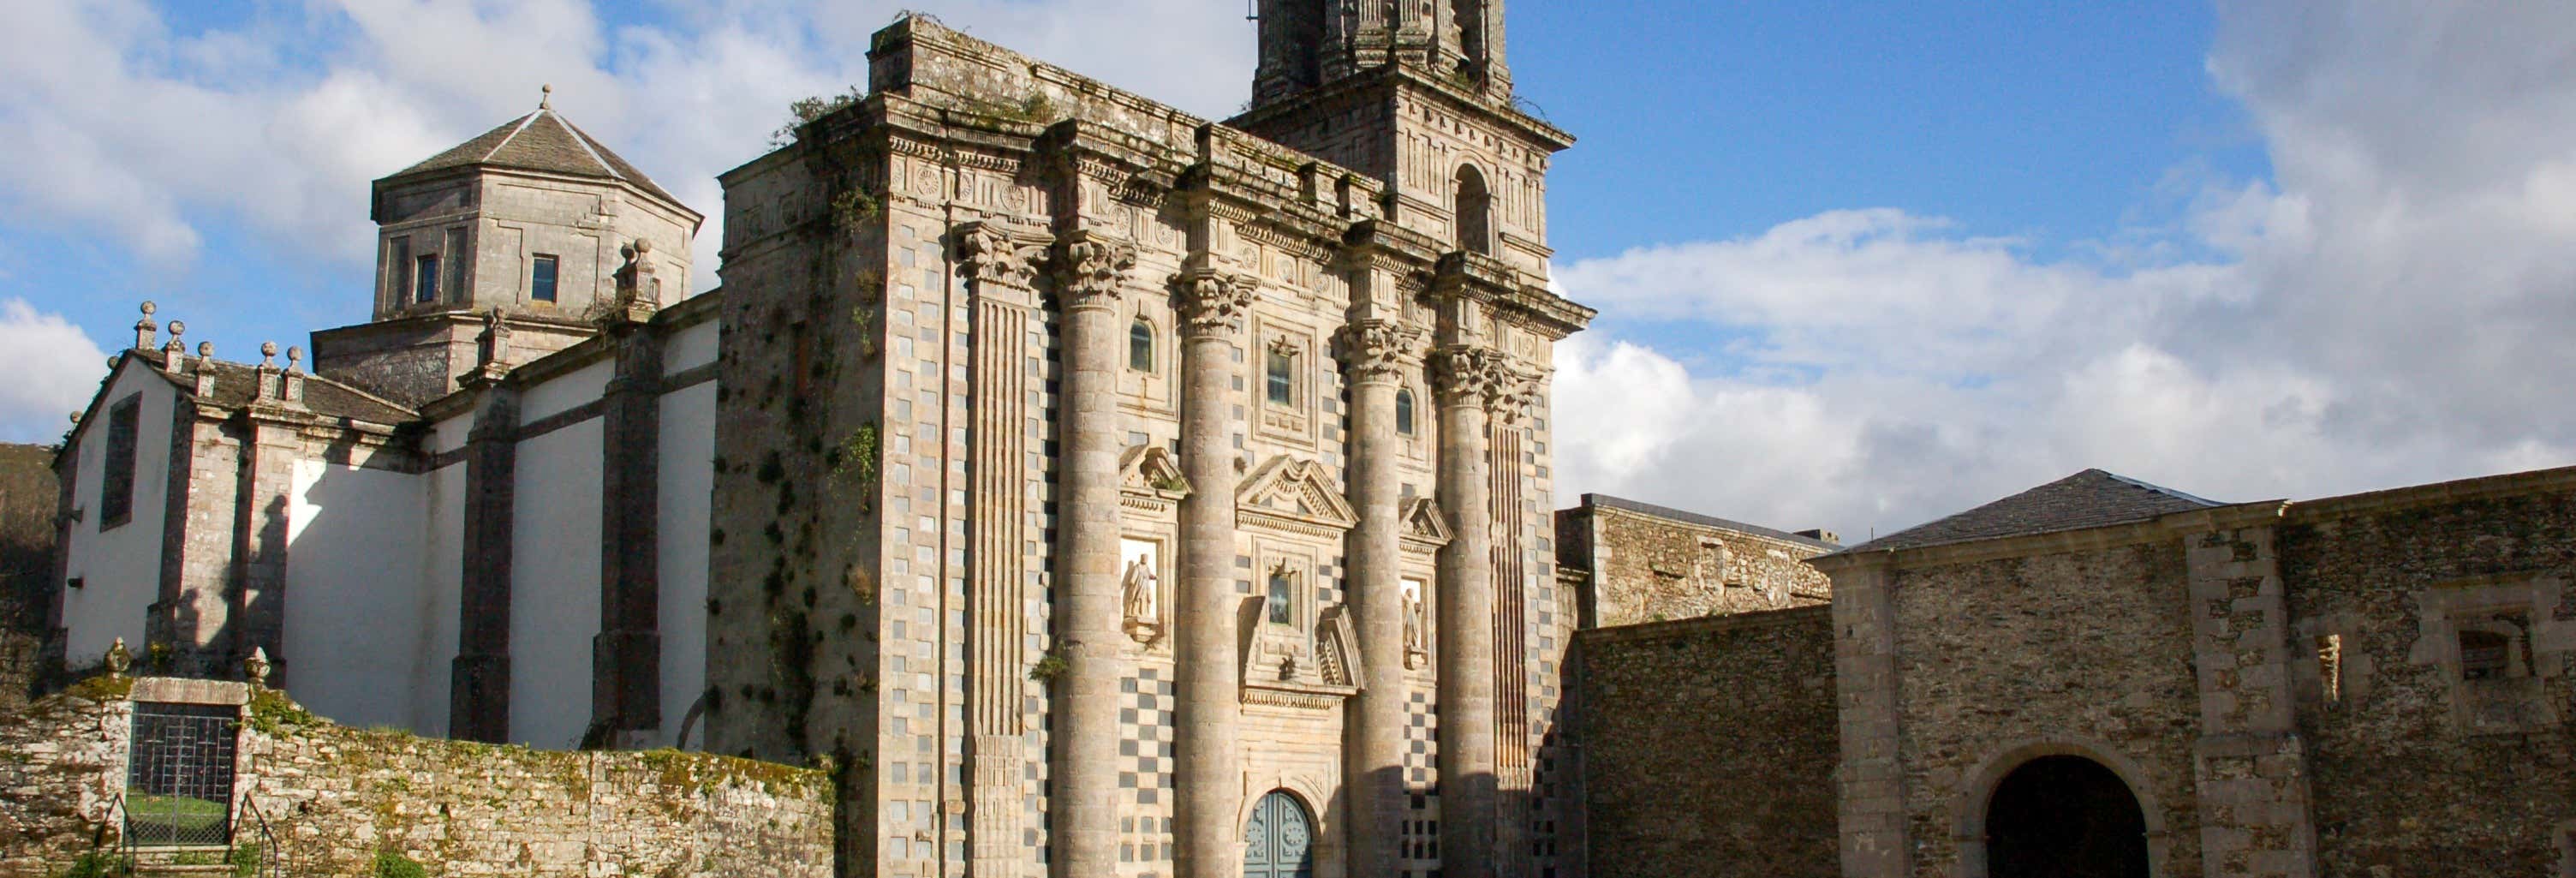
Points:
[[1140, 346], [116, 482], [1280, 597], [1404, 411], [2484, 655], [424, 279], [1282, 378], [541, 279]]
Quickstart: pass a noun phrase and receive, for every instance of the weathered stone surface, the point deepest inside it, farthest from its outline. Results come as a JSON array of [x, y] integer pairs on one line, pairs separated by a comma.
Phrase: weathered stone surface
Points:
[[333, 797], [1645, 563], [28, 496], [1709, 746]]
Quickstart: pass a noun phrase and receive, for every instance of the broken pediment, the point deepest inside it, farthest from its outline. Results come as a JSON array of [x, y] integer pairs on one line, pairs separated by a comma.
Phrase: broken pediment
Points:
[[1294, 496], [1149, 477], [1424, 523]]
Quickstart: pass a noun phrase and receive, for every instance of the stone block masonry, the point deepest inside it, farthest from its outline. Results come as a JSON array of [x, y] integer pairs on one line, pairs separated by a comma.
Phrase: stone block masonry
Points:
[[334, 797], [1710, 746]]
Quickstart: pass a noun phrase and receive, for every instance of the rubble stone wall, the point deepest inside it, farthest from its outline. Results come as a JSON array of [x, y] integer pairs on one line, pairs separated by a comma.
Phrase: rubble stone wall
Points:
[[1710, 746], [1646, 567], [2419, 770], [334, 797]]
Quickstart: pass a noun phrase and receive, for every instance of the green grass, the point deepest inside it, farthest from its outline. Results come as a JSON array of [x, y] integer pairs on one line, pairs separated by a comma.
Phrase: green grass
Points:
[[186, 814]]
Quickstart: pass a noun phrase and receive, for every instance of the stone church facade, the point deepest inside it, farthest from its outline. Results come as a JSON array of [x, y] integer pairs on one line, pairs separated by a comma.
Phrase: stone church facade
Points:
[[1100, 490]]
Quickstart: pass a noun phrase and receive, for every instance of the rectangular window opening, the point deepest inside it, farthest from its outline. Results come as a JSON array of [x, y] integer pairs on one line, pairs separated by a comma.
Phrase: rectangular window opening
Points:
[[424, 279], [541, 279]]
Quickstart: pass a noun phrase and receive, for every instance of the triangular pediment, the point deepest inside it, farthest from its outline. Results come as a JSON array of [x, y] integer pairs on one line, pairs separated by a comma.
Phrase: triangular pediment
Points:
[[1294, 494], [1152, 469], [1424, 522]]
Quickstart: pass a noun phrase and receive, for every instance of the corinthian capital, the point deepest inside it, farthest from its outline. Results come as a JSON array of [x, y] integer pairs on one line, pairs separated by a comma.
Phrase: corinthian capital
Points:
[[1213, 300], [1091, 270], [1516, 397], [992, 254], [1380, 349], [1470, 374]]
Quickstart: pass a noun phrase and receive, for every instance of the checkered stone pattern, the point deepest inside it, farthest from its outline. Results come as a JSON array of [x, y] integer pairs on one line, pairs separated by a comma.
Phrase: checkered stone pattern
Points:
[[1420, 844], [1044, 405], [1145, 767]]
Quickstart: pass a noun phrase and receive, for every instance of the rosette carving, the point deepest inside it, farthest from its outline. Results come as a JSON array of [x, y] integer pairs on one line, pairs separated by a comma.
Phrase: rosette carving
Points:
[[1091, 270], [1380, 348], [1212, 301]]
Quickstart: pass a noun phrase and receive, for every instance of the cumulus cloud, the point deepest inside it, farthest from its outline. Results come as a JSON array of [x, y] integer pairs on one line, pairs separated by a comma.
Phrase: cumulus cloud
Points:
[[2388, 309], [154, 136], [53, 369]]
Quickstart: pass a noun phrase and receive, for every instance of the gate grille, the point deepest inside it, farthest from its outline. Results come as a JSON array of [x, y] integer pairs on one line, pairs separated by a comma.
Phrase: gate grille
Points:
[[179, 780]]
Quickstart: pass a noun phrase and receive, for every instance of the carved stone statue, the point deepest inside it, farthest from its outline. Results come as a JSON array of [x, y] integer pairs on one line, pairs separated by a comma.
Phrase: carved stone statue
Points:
[[1142, 596], [1416, 646]]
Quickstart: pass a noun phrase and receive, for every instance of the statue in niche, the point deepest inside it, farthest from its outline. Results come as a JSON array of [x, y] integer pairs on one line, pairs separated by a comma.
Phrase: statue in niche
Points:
[[1416, 646], [1142, 596]]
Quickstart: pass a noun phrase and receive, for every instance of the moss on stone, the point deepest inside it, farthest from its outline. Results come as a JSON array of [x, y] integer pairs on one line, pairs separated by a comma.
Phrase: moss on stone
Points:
[[104, 687]]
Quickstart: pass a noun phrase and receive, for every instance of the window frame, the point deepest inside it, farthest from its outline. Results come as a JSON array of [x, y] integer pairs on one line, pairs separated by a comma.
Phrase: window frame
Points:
[[551, 278], [1279, 590], [1407, 413], [1142, 339], [1279, 376], [424, 279]]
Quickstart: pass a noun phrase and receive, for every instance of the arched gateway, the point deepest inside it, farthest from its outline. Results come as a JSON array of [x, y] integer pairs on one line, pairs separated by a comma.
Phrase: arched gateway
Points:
[[2064, 817], [1280, 840]]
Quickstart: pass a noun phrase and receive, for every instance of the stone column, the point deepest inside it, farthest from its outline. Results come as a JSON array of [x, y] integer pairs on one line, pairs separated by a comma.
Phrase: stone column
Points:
[[1205, 647], [1469, 376], [479, 684], [626, 654], [1376, 352], [1091, 274]]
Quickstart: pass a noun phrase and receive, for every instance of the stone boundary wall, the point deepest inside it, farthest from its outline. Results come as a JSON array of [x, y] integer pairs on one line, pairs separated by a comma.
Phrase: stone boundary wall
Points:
[[335, 796], [1710, 746]]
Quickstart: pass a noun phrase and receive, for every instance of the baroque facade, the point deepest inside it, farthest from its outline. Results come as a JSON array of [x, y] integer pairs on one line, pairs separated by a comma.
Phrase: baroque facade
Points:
[[1098, 489]]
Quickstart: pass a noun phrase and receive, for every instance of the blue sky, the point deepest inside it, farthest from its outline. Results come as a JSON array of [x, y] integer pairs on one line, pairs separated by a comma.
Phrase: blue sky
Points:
[[1860, 264]]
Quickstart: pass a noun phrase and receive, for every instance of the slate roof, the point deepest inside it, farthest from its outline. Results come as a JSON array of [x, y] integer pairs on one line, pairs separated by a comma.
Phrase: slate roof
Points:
[[1609, 502], [541, 141], [236, 382], [2092, 498]]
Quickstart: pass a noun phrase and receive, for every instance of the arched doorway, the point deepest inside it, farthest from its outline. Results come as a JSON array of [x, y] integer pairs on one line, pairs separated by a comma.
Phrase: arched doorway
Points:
[[1280, 840], [2064, 817]]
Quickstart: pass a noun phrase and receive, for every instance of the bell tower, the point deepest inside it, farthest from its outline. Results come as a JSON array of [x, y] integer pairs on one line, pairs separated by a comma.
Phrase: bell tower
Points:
[[1415, 93]]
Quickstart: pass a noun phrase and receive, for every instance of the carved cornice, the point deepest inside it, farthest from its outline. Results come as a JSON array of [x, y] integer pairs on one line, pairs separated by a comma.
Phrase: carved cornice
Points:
[[996, 254], [1380, 349], [1091, 269], [1213, 300]]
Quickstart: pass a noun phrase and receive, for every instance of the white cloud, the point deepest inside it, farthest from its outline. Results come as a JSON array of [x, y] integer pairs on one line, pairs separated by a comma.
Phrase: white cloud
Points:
[[2389, 309], [152, 137], [53, 369]]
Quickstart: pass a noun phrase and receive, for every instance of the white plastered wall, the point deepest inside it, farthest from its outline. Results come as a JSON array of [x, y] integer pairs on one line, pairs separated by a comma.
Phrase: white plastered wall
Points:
[[687, 485], [355, 618], [120, 569], [442, 565], [554, 583]]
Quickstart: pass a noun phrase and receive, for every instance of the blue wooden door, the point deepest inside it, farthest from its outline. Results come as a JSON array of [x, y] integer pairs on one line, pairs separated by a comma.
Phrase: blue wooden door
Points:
[[1280, 842]]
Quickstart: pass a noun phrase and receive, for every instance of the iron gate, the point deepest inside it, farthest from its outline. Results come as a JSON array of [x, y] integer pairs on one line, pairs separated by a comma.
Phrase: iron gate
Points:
[[179, 776]]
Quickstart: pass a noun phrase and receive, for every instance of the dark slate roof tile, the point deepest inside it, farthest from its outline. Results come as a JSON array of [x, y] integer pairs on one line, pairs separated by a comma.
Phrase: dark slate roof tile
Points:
[[541, 141], [2092, 498]]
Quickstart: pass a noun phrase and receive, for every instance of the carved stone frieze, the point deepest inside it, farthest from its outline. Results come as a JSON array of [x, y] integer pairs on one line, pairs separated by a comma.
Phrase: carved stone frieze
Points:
[[1091, 269], [1380, 349], [1294, 497]]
